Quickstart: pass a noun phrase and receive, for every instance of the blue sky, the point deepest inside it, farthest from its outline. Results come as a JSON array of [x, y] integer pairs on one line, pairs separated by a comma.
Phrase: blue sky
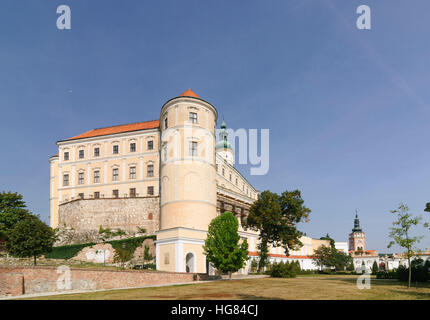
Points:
[[348, 110]]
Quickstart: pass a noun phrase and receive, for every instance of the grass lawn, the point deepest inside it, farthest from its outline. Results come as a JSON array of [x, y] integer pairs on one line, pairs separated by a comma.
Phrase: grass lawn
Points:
[[329, 287]]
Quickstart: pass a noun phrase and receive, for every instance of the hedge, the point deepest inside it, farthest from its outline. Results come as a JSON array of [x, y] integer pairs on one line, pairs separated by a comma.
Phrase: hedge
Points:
[[69, 251]]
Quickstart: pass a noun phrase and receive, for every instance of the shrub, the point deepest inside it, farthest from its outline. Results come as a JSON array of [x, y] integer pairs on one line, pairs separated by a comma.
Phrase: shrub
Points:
[[418, 274], [283, 270], [67, 252]]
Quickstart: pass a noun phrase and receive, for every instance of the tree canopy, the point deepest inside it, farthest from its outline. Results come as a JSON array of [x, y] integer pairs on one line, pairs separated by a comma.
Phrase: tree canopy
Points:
[[331, 257], [275, 217], [222, 246], [12, 210], [30, 237]]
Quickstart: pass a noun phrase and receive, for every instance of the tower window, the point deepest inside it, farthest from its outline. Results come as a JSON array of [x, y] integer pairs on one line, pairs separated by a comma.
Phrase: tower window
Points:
[[166, 123], [150, 145], [193, 117], [96, 176], [66, 156], [193, 148], [133, 147], [65, 180], [80, 178], [132, 172], [115, 149], [96, 152], [81, 154], [150, 170], [115, 174]]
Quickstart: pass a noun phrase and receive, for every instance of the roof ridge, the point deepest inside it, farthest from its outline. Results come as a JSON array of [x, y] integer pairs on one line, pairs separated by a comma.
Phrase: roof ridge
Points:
[[124, 124]]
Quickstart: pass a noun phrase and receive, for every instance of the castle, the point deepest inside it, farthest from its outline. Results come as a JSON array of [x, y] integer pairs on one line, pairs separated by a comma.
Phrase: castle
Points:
[[167, 176]]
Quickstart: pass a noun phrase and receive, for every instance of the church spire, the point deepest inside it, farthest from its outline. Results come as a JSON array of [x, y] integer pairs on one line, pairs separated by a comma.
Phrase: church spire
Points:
[[357, 227]]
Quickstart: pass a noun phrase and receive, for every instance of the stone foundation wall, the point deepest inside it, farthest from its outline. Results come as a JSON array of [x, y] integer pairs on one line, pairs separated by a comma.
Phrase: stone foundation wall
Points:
[[30, 280], [128, 214]]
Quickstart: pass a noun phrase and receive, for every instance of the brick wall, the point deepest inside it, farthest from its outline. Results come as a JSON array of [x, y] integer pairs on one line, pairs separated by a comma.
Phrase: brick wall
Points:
[[27, 280]]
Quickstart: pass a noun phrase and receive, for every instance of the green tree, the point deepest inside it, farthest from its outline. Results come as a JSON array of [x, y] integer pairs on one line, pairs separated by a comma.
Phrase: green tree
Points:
[[375, 267], [12, 210], [327, 237], [331, 257], [275, 217], [427, 209], [30, 237], [222, 246], [401, 233], [351, 266]]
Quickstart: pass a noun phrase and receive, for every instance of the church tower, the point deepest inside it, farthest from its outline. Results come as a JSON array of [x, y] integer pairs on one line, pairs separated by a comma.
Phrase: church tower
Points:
[[187, 179], [357, 239], [223, 147]]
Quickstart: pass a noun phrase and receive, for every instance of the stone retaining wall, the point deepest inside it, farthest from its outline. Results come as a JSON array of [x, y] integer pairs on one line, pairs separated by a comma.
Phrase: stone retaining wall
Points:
[[122, 213], [30, 280]]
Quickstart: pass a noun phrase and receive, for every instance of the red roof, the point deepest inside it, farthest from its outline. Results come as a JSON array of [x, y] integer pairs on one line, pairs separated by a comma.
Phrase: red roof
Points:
[[118, 129], [189, 93]]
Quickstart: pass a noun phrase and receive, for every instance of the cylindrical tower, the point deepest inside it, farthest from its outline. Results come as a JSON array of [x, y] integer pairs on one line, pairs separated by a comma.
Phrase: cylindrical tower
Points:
[[187, 179]]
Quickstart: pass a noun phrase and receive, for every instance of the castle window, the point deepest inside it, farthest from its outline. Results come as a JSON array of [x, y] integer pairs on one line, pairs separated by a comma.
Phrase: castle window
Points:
[[133, 147], [132, 192], [193, 117], [115, 174], [80, 178], [115, 149], [150, 170], [192, 148], [115, 193], [236, 181], [96, 176], [97, 195], [66, 156], [132, 172], [223, 171], [65, 180], [150, 191], [230, 177], [150, 145], [165, 123], [96, 152], [81, 154]]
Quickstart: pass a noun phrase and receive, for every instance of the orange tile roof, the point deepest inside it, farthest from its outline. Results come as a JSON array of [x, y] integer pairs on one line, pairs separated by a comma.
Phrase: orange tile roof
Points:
[[189, 93], [118, 129]]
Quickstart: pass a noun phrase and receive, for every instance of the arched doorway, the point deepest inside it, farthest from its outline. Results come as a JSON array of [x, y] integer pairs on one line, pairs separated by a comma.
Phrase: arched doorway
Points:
[[189, 263]]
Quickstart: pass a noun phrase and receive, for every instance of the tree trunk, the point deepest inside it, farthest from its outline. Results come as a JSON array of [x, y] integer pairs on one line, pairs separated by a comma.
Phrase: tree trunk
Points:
[[229, 275], [410, 272], [34, 260]]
